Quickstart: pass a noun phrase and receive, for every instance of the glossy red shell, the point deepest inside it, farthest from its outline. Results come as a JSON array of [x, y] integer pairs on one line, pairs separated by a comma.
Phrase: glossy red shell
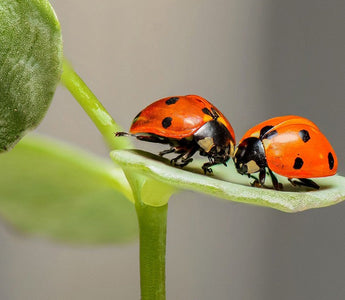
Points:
[[296, 148], [183, 114]]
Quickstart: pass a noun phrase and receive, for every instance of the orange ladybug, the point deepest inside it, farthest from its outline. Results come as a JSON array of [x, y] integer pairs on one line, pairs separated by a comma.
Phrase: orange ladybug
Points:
[[188, 124], [290, 146]]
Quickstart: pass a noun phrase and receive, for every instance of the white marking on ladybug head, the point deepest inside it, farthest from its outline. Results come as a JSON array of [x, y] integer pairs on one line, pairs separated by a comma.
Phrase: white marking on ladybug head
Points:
[[252, 167], [206, 143]]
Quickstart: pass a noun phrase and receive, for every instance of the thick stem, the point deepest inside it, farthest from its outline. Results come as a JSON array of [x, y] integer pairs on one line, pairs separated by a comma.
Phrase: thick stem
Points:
[[95, 110], [152, 224]]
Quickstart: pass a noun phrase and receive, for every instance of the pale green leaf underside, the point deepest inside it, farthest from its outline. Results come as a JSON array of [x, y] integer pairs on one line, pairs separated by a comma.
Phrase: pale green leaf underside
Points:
[[30, 65], [53, 190], [226, 183]]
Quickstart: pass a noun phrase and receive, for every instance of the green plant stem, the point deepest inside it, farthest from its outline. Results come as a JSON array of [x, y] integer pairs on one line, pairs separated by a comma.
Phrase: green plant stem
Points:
[[95, 110], [152, 233], [152, 220]]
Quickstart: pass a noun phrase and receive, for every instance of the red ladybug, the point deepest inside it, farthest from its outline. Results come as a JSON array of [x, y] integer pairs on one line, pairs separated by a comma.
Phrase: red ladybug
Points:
[[290, 146], [188, 124]]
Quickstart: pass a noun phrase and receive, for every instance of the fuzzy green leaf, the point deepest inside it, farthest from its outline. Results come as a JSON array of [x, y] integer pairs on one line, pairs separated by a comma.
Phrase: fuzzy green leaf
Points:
[[226, 183], [55, 191], [30, 65]]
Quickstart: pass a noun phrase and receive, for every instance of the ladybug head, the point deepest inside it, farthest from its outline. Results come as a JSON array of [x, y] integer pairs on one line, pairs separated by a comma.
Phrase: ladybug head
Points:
[[250, 156], [215, 141]]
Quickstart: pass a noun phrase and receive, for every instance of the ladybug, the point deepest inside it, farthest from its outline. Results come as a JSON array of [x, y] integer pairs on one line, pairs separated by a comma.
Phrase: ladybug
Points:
[[188, 124], [290, 146]]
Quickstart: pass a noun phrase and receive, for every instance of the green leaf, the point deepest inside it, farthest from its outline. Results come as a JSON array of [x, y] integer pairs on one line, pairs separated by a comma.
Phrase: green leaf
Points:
[[226, 183], [30, 66], [52, 190]]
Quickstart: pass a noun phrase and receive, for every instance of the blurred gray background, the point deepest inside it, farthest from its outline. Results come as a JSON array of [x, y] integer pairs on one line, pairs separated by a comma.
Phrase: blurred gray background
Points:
[[253, 60]]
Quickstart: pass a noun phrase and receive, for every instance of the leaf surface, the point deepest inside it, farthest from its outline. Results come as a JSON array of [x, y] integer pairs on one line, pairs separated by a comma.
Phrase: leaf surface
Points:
[[30, 66], [226, 183], [53, 190]]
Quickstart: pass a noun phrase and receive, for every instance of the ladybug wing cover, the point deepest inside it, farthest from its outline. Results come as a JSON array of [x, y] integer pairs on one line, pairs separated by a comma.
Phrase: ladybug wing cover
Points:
[[175, 117], [299, 151], [266, 126]]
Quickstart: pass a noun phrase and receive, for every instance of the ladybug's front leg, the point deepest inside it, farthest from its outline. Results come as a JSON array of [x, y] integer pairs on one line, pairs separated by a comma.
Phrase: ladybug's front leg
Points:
[[206, 167], [262, 178], [212, 162], [256, 182], [276, 184]]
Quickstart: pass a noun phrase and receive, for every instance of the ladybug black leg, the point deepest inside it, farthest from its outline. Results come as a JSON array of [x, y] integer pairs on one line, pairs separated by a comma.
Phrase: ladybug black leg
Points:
[[255, 183], [262, 176], [162, 153], [206, 167], [276, 184], [174, 161], [309, 183], [212, 162], [185, 158], [304, 182], [121, 133], [258, 182], [184, 162]]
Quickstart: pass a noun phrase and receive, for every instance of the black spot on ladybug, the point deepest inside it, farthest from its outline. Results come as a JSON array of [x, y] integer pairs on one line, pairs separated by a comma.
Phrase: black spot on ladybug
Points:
[[271, 134], [206, 111], [298, 163], [172, 100], [213, 113], [266, 133], [330, 160], [264, 130], [304, 134], [166, 122]]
